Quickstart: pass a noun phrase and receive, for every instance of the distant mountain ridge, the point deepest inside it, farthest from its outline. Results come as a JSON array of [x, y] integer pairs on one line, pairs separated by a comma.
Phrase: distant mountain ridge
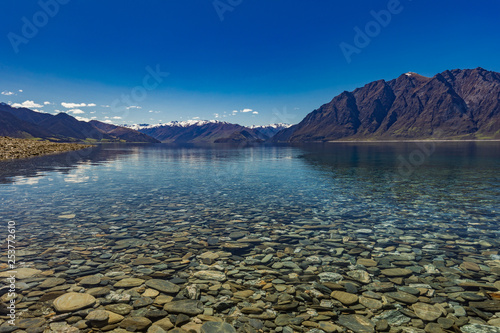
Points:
[[455, 104], [26, 123], [208, 131]]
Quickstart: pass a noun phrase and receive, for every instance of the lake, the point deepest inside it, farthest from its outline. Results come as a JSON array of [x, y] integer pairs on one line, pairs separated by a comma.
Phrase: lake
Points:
[[258, 235], [396, 183]]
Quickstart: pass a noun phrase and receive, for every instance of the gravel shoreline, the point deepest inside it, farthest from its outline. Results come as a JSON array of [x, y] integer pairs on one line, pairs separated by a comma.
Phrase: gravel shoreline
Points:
[[11, 148]]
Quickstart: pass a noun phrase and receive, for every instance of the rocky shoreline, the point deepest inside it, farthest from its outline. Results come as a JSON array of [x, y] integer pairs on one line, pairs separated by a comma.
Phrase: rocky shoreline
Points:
[[251, 274], [11, 148]]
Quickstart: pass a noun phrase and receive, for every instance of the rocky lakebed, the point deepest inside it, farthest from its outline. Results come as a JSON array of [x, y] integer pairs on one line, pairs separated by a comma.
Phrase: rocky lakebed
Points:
[[251, 273]]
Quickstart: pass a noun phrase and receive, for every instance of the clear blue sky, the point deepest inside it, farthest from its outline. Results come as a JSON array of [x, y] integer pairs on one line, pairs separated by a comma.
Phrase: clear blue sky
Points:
[[281, 58]]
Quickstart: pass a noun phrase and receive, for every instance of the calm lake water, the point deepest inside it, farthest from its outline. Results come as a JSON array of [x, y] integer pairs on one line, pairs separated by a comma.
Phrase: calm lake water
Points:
[[441, 185]]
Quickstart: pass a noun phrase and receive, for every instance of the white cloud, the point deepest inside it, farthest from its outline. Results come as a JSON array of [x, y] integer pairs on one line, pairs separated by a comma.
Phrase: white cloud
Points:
[[27, 104], [46, 103], [133, 107], [255, 112], [246, 110], [105, 106], [73, 105], [20, 90], [7, 93], [116, 117], [108, 121], [76, 105], [196, 117], [76, 111], [82, 118]]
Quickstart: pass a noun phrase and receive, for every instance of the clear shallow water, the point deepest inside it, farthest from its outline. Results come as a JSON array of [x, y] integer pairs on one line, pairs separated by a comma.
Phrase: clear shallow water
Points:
[[446, 186]]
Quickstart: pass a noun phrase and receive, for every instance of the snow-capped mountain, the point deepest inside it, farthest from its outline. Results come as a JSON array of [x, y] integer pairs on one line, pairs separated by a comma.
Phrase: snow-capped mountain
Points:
[[185, 123], [270, 130], [207, 131]]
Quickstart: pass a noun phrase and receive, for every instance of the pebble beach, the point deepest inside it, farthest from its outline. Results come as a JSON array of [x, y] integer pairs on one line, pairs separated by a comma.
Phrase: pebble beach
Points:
[[11, 148]]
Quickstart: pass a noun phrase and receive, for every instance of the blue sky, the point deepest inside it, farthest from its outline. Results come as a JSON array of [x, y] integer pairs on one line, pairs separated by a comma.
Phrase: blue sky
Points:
[[276, 60]]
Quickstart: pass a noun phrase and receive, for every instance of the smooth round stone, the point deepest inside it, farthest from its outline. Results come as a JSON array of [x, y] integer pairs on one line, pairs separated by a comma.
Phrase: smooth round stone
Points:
[[163, 286], [164, 323], [150, 293], [73, 302], [129, 283], [51, 282], [209, 255], [403, 297], [142, 302], [366, 262], [156, 329], [22, 273], [210, 275], [446, 323], [189, 306], [251, 310], [120, 308], [217, 327], [470, 266], [238, 234], [140, 323], [243, 293], [98, 291], [344, 298], [396, 272], [359, 275], [357, 323], [427, 312], [30, 322], [280, 287], [370, 303], [90, 280], [97, 315], [114, 318]]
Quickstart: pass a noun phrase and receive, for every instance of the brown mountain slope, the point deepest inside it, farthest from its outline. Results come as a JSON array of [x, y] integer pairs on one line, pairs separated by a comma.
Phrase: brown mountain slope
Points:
[[457, 104]]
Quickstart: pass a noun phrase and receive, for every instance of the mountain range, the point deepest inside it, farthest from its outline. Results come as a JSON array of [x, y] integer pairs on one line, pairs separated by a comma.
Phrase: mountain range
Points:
[[209, 131], [26, 123], [454, 104]]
